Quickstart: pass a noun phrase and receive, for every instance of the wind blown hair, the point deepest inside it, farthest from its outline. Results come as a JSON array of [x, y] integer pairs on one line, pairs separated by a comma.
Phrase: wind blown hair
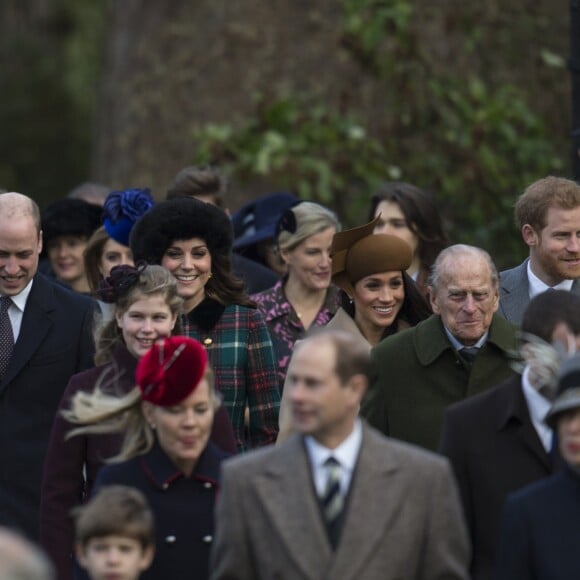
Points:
[[102, 411]]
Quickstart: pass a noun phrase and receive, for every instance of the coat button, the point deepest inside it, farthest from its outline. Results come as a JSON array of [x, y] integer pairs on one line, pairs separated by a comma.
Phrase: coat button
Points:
[[207, 341], [207, 485], [170, 539], [165, 486], [207, 539]]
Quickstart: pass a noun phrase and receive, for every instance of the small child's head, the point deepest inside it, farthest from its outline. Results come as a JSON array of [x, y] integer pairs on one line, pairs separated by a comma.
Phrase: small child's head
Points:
[[115, 534]]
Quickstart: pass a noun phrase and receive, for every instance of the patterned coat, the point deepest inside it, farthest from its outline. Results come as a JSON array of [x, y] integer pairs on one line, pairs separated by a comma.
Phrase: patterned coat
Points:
[[283, 323], [242, 357]]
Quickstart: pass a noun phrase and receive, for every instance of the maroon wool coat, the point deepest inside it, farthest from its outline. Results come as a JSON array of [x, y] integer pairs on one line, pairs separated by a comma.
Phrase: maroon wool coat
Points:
[[64, 484]]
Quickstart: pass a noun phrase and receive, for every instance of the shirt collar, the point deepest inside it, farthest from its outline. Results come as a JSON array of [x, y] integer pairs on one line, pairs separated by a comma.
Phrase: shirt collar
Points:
[[458, 345], [538, 286], [538, 405], [346, 453], [19, 300]]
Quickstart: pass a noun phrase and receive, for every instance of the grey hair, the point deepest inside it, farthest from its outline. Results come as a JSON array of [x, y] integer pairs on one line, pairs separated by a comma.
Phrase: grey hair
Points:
[[451, 253]]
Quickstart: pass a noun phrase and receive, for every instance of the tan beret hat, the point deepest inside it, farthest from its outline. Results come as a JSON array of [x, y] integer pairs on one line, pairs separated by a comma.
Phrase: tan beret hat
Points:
[[358, 252]]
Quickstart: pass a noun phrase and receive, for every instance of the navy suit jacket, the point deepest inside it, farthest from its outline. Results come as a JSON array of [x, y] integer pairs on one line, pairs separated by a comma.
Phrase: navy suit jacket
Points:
[[540, 531], [54, 343], [494, 450], [514, 292]]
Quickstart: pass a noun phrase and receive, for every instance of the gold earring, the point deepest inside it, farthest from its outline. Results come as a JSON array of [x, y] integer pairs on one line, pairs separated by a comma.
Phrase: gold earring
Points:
[[209, 275]]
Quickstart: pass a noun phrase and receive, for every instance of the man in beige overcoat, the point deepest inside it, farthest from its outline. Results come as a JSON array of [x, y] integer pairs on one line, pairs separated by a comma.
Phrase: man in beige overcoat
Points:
[[337, 500]]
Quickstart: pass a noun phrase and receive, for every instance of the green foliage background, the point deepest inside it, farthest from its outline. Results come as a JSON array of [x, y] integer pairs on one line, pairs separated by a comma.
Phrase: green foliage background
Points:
[[470, 138]]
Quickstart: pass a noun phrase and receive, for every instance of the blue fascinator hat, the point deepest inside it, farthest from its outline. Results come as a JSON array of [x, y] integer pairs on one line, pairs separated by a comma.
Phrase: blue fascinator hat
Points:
[[122, 209]]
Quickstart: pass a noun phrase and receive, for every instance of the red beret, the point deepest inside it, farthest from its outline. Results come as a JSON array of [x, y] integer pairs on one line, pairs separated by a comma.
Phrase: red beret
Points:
[[169, 372]]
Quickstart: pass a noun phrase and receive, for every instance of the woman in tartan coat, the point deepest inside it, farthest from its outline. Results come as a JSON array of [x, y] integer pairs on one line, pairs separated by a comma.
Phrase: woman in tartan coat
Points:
[[193, 240]]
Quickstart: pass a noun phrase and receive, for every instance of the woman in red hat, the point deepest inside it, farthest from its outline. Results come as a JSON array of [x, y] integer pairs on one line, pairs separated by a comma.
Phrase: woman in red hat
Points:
[[166, 452], [146, 307]]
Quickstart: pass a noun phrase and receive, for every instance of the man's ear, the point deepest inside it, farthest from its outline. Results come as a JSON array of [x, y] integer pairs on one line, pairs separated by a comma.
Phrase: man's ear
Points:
[[530, 236], [358, 385]]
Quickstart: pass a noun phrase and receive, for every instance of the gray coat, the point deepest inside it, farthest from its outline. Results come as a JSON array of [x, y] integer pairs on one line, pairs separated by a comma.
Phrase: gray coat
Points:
[[403, 518]]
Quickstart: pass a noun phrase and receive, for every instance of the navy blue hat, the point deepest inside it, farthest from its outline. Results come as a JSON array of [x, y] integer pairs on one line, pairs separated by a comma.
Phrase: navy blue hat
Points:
[[256, 220], [122, 209]]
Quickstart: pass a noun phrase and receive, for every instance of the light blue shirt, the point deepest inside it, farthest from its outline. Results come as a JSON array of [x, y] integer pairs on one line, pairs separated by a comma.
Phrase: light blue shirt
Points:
[[458, 345], [346, 454]]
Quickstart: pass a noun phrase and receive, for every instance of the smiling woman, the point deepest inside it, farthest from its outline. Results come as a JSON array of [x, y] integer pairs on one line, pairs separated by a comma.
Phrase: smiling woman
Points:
[[193, 240], [67, 224], [304, 298]]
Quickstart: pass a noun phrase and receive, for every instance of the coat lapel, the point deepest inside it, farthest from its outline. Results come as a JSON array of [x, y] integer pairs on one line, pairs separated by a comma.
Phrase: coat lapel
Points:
[[516, 418], [287, 492], [367, 519], [36, 324], [514, 292]]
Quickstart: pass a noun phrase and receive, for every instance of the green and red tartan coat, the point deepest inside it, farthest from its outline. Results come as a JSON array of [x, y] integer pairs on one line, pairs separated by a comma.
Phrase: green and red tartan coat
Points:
[[242, 357]]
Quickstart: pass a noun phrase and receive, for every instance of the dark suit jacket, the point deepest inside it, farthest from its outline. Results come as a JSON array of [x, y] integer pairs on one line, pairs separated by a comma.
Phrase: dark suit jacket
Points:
[[256, 277], [494, 450], [539, 531], [403, 517], [54, 343], [514, 292]]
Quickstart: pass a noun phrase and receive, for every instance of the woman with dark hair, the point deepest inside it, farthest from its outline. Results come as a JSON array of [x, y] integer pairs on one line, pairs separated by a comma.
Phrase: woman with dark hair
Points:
[[193, 240], [146, 307], [109, 245], [378, 297], [409, 213], [67, 224]]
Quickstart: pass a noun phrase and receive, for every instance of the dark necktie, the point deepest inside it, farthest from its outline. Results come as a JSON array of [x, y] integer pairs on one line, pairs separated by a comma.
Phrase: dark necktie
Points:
[[468, 353], [332, 498], [6, 335]]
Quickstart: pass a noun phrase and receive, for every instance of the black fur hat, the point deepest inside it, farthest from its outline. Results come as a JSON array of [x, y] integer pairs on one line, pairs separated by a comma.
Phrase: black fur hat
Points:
[[70, 217], [181, 218]]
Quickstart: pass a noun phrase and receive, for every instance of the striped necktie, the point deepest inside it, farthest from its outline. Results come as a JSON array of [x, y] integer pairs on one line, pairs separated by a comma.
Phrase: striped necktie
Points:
[[332, 498]]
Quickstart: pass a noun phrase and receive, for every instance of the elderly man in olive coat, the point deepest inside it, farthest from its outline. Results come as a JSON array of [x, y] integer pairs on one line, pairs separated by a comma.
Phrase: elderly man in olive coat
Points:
[[463, 349]]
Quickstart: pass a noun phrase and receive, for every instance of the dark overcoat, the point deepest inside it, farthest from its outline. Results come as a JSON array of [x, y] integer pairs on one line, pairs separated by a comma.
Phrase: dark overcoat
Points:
[[419, 374], [183, 508], [494, 450], [54, 343], [540, 531]]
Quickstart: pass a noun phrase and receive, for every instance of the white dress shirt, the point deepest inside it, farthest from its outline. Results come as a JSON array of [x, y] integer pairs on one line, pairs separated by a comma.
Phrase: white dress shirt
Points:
[[537, 286], [346, 454], [16, 309]]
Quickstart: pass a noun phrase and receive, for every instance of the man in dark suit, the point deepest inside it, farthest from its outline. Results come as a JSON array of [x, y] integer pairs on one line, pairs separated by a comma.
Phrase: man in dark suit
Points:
[[45, 337], [548, 214], [538, 537], [498, 441], [337, 499]]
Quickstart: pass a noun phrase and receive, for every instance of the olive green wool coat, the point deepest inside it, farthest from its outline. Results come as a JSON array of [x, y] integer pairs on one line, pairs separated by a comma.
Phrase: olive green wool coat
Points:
[[418, 374]]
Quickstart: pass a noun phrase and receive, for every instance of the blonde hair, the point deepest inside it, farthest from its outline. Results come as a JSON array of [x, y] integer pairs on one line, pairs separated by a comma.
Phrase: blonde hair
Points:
[[311, 218], [100, 411]]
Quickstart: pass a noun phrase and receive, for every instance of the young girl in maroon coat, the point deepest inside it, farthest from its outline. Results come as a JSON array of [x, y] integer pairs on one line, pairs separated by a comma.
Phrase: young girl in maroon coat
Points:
[[147, 307]]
